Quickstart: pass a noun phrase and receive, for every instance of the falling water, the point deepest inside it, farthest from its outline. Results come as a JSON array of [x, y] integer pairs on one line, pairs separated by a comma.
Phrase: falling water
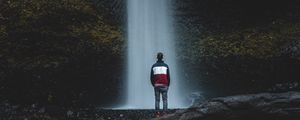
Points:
[[150, 31]]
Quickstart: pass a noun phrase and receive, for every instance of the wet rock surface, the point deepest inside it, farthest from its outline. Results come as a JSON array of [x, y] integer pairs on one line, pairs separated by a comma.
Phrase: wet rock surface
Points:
[[263, 106], [38, 112]]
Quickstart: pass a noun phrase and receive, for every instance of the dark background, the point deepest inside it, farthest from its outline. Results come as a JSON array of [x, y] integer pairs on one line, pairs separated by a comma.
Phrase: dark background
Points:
[[73, 53], [237, 47]]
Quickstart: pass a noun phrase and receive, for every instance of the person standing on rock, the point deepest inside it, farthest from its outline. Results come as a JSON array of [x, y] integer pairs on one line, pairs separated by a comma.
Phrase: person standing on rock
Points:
[[160, 79]]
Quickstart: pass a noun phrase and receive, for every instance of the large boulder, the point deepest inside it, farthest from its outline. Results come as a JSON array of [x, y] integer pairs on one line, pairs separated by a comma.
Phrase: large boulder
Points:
[[263, 106]]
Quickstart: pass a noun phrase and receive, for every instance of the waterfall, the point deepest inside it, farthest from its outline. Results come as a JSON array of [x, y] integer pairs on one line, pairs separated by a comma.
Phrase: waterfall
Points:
[[150, 31]]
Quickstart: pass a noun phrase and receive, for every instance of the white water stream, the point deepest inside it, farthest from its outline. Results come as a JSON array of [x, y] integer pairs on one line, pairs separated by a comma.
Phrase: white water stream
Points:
[[150, 31]]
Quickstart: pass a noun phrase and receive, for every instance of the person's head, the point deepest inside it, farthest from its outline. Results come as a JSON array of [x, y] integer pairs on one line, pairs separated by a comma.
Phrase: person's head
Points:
[[160, 56]]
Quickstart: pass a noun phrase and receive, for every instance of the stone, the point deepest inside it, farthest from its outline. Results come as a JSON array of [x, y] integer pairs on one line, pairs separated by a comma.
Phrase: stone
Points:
[[262, 106]]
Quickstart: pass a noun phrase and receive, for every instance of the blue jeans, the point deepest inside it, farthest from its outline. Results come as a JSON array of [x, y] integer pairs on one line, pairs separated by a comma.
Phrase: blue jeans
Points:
[[161, 90]]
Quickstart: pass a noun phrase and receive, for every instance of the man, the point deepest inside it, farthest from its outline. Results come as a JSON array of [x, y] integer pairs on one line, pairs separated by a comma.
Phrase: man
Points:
[[160, 79]]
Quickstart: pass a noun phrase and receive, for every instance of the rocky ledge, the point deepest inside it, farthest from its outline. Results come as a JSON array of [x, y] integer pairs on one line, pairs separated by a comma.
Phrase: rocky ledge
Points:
[[263, 106]]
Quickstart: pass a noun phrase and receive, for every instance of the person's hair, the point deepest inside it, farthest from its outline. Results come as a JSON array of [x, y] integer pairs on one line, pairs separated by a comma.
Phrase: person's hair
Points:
[[160, 56]]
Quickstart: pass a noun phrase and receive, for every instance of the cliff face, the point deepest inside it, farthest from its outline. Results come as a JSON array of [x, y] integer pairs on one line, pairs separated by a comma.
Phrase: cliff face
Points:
[[264, 106], [57, 51], [222, 28], [235, 47]]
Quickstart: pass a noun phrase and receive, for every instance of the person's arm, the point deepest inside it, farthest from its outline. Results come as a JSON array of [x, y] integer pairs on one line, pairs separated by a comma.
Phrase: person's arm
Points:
[[168, 75], [152, 76]]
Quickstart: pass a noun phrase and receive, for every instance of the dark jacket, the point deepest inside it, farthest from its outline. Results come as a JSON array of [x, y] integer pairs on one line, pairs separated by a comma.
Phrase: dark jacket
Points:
[[160, 75]]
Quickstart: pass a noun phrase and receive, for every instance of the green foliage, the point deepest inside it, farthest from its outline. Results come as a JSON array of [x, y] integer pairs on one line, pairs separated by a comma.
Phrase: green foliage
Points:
[[45, 43], [39, 27], [237, 47], [253, 42]]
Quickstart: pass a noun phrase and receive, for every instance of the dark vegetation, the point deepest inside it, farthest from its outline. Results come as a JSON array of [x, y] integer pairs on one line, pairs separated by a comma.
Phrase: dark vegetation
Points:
[[58, 52], [240, 46]]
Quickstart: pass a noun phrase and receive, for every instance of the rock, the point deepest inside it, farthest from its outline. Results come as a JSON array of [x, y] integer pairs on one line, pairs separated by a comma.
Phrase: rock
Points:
[[287, 86], [263, 106], [196, 98], [292, 50]]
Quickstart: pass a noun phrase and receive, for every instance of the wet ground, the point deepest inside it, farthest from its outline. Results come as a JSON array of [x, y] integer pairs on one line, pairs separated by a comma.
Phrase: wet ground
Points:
[[36, 112], [130, 114]]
